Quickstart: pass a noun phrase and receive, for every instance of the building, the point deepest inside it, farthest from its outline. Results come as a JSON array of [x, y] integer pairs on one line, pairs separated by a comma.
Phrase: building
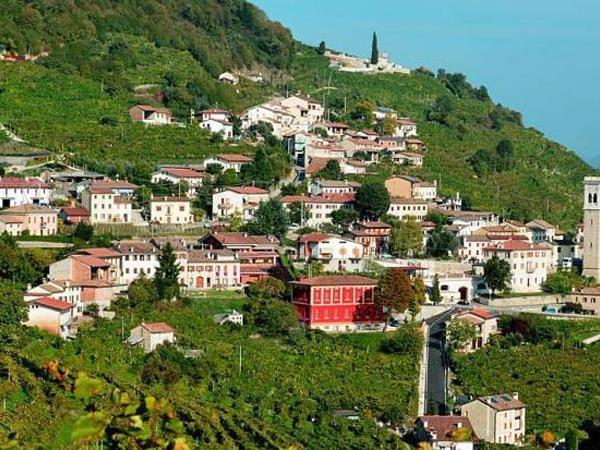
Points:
[[74, 215], [151, 335], [445, 432], [150, 115], [304, 108], [530, 264], [229, 78], [78, 268], [499, 419], [407, 158], [230, 317], [109, 201], [588, 298], [222, 127], [138, 258], [176, 175], [23, 191], [58, 290], [319, 187], [410, 187], [484, 322], [337, 303], [405, 208], [35, 220], [406, 127], [52, 315], [228, 161], [334, 128], [542, 231], [591, 228], [221, 115], [472, 247], [318, 208], [381, 113], [374, 236], [334, 253], [170, 210], [243, 200], [211, 269]]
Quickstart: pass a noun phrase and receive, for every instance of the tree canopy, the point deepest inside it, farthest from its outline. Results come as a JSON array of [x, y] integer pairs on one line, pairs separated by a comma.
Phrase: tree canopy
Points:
[[372, 200]]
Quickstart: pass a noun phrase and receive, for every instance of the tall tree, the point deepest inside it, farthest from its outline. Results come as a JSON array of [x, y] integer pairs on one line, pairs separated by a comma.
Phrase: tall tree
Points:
[[374, 50], [167, 274], [496, 273], [442, 243], [343, 218], [331, 171], [436, 295], [460, 333], [394, 292], [418, 297], [13, 310], [406, 238], [271, 218], [322, 48], [372, 200]]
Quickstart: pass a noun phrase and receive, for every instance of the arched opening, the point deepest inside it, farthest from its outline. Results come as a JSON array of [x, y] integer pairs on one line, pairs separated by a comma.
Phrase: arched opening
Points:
[[464, 293], [199, 283]]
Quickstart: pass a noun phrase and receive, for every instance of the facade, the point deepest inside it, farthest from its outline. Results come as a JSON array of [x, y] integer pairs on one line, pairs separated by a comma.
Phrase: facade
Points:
[[318, 208], [542, 231], [405, 208], [304, 108], [336, 254], [499, 419], [109, 201], [318, 187], [406, 127], [530, 264], [52, 315], [591, 228], [151, 335], [410, 187], [472, 248], [445, 432], [335, 128], [243, 200], [138, 258], [374, 236], [485, 323], [222, 127], [588, 298], [175, 175], [337, 303], [229, 78], [228, 161], [74, 215], [211, 269], [150, 115], [170, 210], [23, 191], [36, 220], [58, 290]]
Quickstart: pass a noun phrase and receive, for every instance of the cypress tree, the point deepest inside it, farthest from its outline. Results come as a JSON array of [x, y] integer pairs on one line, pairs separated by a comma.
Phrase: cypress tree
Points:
[[322, 48], [374, 50], [167, 274]]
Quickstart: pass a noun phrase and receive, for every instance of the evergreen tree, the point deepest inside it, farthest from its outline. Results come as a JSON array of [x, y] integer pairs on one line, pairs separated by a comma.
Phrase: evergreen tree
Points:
[[435, 296], [372, 200], [496, 273], [271, 218], [167, 274], [322, 48], [374, 50]]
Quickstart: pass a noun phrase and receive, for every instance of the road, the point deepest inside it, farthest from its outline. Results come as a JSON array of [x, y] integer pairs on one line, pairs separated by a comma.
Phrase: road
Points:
[[437, 364]]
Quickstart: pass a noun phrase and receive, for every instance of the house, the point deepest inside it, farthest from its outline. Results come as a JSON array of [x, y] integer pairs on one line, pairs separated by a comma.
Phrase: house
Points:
[[211, 269], [415, 144], [229, 78], [392, 143], [138, 258], [318, 208], [150, 115], [445, 432], [318, 187], [222, 127], [151, 335], [353, 167], [499, 419], [454, 286], [472, 247], [219, 114], [304, 108], [52, 315], [588, 298], [228, 161], [109, 201], [58, 290], [566, 251], [334, 128], [77, 268], [230, 317], [374, 151], [410, 187], [381, 113], [270, 112], [406, 127], [170, 210], [342, 303], [484, 322], [35, 220], [529, 263], [23, 191], [408, 158], [176, 175], [542, 231], [369, 134], [374, 236], [334, 253], [403, 208], [74, 215], [243, 200]]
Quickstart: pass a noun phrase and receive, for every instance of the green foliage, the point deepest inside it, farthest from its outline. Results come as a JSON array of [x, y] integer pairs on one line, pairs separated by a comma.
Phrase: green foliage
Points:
[[564, 281], [343, 218], [267, 288], [142, 292], [13, 309], [485, 161], [394, 291], [496, 274], [441, 243], [406, 340], [459, 333], [374, 50], [435, 296], [166, 278], [322, 48], [406, 238], [372, 200], [271, 218], [331, 171], [272, 317], [83, 231]]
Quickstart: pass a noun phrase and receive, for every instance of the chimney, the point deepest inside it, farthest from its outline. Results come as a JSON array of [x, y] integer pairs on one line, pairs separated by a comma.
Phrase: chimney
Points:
[[515, 395]]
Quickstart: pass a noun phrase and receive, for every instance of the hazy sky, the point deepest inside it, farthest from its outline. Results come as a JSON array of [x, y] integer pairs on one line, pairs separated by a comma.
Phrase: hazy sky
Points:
[[540, 57]]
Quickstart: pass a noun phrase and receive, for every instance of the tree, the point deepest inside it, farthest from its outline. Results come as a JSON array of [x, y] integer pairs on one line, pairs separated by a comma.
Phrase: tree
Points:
[[344, 217], [364, 110], [459, 333], [236, 222], [273, 317], [419, 292], [214, 169], [573, 437], [13, 309], [388, 125], [441, 243], [142, 292], [394, 292], [267, 288], [295, 213], [84, 231], [406, 238], [331, 171], [322, 48], [496, 273], [227, 178], [270, 218], [406, 341], [505, 152], [435, 295], [166, 278], [372, 200], [374, 50]]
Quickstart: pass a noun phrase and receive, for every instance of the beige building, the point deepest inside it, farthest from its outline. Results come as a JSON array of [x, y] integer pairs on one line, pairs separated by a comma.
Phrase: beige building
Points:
[[151, 335], [591, 228], [588, 298], [37, 220], [170, 210], [499, 419], [244, 200], [109, 202], [404, 208], [484, 322], [410, 187]]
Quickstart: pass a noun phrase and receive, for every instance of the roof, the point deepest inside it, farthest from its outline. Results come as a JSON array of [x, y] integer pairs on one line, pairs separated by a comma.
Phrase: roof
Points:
[[374, 224], [98, 252], [11, 219], [407, 201], [540, 224], [75, 211], [317, 164], [239, 238], [53, 303], [249, 190], [92, 284], [326, 198], [475, 316], [213, 111], [91, 261], [336, 125], [28, 209], [157, 327], [514, 245], [338, 183], [595, 290], [369, 131], [182, 172], [313, 237], [356, 162], [444, 426], [406, 121], [195, 256], [152, 109], [133, 247], [502, 402], [107, 186], [13, 182], [337, 280], [169, 198], [477, 238], [233, 157]]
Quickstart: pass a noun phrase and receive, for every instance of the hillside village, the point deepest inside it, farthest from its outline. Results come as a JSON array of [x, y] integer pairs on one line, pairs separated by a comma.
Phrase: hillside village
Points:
[[299, 229]]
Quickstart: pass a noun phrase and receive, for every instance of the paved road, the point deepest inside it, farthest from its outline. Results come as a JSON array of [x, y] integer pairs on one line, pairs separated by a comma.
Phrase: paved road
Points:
[[435, 391]]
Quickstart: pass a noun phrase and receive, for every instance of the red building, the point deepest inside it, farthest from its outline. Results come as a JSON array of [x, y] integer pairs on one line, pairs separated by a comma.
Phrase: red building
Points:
[[337, 303]]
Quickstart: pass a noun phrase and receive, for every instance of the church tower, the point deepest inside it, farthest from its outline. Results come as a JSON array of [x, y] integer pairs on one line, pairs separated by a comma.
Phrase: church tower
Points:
[[591, 228]]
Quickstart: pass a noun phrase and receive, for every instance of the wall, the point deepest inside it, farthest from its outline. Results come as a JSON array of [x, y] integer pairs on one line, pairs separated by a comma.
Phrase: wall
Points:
[[530, 300]]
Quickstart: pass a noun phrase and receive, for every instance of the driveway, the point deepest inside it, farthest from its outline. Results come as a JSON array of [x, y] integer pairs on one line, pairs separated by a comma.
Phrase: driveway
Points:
[[437, 364]]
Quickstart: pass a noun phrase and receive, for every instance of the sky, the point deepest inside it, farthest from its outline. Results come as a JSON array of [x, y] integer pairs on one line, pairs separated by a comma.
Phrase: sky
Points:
[[539, 57]]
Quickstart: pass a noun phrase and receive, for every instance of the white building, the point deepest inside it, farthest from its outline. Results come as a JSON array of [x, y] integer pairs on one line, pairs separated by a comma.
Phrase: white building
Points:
[[318, 208], [211, 269], [138, 258], [530, 264], [170, 210], [230, 317], [542, 231], [472, 248], [270, 112], [381, 113], [403, 208], [499, 419], [244, 200], [107, 207], [319, 186], [229, 78], [150, 115], [406, 127], [23, 191], [151, 335], [176, 175], [223, 127], [228, 161], [304, 108], [336, 254], [484, 322], [52, 315]]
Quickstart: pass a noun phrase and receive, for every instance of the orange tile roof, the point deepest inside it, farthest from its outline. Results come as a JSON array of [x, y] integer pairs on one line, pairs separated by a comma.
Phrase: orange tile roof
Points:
[[53, 303], [158, 327], [337, 280]]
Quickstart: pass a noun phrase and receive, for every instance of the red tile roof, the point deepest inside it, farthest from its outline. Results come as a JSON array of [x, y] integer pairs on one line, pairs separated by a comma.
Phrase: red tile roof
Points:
[[444, 426], [233, 238], [374, 225], [71, 212], [158, 327], [321, 199], [337, 280], [182, 172], [233, 157], [336, 125], [53, 303], [316, 164], [513, 245], [246, 190], [13, 182], [91, 261], [313, 237], [152, 108], [98, 252], [169, 198]]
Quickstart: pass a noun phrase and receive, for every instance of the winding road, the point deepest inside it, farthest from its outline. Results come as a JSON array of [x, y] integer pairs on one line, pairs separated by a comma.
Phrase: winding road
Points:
[[437, 365]]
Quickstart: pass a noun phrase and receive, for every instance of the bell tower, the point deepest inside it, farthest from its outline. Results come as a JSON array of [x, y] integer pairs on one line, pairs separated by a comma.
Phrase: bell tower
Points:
[[591, 228]]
